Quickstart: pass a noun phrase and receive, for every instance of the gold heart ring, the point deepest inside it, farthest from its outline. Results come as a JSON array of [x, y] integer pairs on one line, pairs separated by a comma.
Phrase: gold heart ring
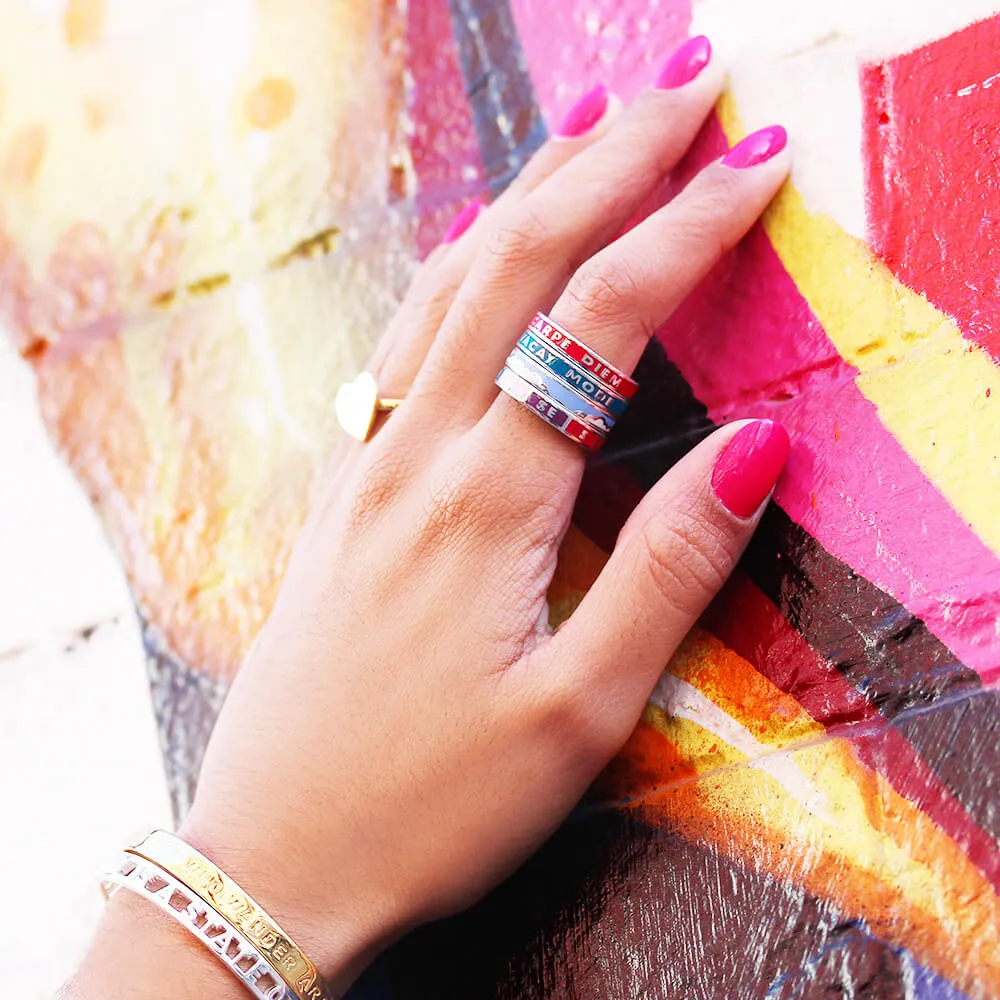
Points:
[[358, 402]]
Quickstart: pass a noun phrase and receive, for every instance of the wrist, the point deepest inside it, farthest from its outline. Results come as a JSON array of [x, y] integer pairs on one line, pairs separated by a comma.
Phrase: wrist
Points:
[[339, 931], [139, 953]]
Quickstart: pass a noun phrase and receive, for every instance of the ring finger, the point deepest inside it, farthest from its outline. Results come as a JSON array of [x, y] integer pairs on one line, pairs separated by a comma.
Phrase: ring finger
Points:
[[618, 299]]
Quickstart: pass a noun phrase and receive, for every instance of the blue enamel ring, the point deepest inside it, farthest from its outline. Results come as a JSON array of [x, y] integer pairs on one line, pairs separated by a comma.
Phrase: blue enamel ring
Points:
[[549, 410], [573, 375], [572, 401]]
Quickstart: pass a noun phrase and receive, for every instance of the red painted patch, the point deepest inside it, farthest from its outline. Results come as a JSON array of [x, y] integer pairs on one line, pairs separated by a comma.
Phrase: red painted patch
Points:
[[750, 625], [932, 155]]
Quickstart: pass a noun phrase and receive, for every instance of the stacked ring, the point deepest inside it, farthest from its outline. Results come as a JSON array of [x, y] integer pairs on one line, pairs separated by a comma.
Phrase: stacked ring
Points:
[[568, 385], [550, 411], [612, 377]]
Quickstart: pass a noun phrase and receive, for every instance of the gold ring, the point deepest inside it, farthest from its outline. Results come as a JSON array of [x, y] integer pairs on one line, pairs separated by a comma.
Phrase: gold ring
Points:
[[358, 402]]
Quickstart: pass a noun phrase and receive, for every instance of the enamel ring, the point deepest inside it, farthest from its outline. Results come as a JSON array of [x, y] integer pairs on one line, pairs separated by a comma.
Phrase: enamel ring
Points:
[[571, 400], [549, 410], [572, 374], [357, 404], [614, 378]]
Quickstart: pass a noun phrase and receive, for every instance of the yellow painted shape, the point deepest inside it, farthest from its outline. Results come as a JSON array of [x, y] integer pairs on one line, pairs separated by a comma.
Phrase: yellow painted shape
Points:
[[874, 854], [733, 684], [927, 382]]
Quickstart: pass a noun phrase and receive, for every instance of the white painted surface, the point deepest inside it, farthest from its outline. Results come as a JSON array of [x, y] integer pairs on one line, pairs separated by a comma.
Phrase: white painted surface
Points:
[[82, 769], [57, 573], [797, 63]]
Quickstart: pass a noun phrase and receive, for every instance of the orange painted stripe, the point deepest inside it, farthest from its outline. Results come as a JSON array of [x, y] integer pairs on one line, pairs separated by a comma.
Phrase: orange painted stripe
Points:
[[813, 815]]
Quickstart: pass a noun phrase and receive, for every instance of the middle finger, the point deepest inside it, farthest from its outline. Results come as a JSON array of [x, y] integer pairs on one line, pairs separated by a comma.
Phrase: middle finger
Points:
[[527, 261], [617, 300]]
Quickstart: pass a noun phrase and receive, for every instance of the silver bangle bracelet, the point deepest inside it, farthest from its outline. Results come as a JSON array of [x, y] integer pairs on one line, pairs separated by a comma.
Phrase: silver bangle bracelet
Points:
[[233, 948]]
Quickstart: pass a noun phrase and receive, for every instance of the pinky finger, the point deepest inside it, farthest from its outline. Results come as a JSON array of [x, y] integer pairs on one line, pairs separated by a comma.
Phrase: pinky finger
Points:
[[403, 347], [586, 122]]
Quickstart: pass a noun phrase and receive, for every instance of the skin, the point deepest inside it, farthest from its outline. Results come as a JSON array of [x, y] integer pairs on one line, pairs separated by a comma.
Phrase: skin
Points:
[[407, 728]]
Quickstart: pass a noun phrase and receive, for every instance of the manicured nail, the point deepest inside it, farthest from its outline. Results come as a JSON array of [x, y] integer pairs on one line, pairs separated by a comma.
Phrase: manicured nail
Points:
[[758, 147], [586, 113], [685, 64], [463, 220], [749, 466]]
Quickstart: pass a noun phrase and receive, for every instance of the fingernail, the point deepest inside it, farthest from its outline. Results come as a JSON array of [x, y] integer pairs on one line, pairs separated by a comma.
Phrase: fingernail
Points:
[[749, 466], [585, 114], [685, 64], [462, 221], [756, 148]]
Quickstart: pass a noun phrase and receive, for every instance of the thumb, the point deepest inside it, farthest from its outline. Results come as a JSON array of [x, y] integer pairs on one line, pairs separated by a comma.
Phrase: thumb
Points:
[[671, 558]]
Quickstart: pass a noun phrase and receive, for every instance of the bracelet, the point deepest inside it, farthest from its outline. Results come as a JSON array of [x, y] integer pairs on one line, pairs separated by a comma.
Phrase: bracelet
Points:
[[203, 921], [217, 890]]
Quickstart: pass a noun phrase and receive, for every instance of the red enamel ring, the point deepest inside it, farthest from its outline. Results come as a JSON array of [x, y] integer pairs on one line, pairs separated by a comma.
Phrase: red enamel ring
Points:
[[550, 411], [575, 350]]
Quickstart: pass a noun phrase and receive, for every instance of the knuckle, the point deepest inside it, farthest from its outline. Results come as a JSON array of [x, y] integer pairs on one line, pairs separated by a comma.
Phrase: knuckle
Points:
[[605, 291], [688, 559], [523, 240], [577, 732], [707, 216], [430, 303], [456, 508], [377, 489]]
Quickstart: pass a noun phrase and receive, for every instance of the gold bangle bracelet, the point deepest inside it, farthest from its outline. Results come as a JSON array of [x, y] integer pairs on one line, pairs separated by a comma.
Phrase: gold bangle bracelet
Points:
[[214, 887]]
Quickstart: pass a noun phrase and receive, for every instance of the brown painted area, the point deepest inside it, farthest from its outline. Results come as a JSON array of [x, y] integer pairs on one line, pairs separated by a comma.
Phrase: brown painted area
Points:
[[271, 102], [78, 301], [963, 742], [83, 22], [24, 156], [73, 305], [605, 911], [85, 404]]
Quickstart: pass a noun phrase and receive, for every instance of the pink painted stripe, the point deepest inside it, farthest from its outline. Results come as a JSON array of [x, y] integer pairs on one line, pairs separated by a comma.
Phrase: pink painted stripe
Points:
[[571, 45], [749, 346], [792, 665]]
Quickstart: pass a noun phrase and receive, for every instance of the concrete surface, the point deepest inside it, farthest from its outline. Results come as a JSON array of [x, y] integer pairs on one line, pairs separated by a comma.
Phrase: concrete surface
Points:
[[82, 768]]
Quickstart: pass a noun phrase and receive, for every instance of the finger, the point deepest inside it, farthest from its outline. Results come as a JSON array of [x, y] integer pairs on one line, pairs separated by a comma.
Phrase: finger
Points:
[[621, 296], [526, 262], [672, 556], [403, 348], [585, 123]]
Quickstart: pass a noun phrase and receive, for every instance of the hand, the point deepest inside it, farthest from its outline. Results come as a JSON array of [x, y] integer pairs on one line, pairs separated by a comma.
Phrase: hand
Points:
[[407, 728]]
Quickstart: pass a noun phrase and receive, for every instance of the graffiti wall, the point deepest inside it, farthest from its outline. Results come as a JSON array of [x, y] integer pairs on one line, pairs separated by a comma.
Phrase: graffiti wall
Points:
[[208, 212]]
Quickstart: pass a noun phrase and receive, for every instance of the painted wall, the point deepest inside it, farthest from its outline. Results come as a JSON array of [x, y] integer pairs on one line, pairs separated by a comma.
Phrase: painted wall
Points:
[[207, 218]]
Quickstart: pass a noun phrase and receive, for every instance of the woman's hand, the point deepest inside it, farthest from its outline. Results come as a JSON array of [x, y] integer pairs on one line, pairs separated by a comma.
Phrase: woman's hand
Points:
[[408, 728]]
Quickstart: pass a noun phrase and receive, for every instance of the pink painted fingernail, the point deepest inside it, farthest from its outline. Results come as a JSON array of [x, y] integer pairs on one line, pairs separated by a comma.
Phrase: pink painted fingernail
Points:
[[757, 148], [586, 113], [462, 221], [685, 64], [748, 467]]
